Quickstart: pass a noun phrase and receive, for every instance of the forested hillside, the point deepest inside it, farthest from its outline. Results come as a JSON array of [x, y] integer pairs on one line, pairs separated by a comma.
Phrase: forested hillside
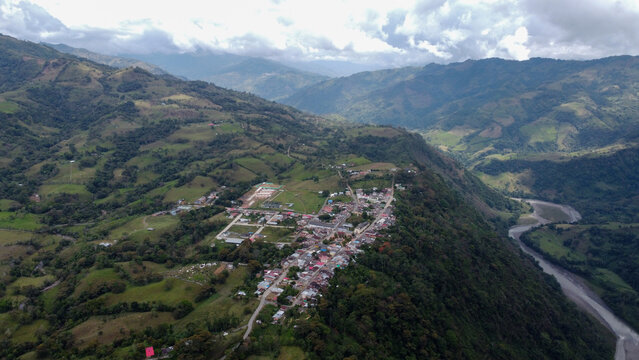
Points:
[[442, 284], [493, 106], [114, 184]]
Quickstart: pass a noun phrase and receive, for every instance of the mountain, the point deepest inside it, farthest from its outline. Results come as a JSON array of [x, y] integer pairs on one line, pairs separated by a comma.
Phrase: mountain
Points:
[[479, 108], [115, 61], [262, 77], [114, 187], [561, 131]]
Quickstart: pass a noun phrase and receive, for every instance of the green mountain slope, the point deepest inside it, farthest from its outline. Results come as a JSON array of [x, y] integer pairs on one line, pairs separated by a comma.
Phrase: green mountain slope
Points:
[[493, 106], [89, 154], [262, 77], [435, 287]]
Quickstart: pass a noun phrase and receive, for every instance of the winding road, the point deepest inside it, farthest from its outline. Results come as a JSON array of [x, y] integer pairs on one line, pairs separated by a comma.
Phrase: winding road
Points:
[[576, 289]]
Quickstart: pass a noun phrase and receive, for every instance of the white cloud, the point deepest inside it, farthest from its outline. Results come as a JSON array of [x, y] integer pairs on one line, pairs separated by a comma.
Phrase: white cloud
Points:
[[515, 44], [388, 33]]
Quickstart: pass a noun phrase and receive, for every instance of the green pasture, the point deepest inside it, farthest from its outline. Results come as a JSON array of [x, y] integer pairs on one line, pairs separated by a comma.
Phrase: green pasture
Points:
[[277, 234], [158, 292], [8, 237], [304, 201], [51, 190], [198, 187], [8, 107], [19, 221]]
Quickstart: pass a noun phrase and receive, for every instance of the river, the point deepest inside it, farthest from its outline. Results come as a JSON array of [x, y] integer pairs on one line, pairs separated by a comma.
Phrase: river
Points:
[[575, 288]]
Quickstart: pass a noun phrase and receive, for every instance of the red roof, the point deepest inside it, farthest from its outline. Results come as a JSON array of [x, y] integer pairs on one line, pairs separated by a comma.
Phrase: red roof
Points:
[[149, 351]]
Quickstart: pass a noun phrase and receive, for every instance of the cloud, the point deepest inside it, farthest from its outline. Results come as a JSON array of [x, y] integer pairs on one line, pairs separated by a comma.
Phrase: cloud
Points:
[[515, 44], [385, 33]]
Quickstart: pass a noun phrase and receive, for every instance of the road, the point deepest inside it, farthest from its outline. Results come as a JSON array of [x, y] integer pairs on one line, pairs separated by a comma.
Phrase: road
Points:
[[576, 289], [219, 236], [249, 327]]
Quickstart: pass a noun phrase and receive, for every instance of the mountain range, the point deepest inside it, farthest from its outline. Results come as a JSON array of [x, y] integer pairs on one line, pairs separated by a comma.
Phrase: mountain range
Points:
[[480, 108], [265, 78], [94, 159]]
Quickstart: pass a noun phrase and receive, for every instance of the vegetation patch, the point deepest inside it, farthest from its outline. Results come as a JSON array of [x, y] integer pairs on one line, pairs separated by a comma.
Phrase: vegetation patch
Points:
[[51, 190], [167, 291], [277, 234], [8, 107], [304, 201], [105, 330], [19, 221], [8, 237]]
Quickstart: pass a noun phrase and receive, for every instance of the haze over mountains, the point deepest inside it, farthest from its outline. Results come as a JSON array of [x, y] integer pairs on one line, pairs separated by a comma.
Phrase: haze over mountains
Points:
[[266, 78]]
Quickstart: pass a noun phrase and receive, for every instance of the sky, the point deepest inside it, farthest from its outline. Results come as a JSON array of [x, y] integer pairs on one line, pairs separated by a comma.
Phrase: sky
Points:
[[386, 33]]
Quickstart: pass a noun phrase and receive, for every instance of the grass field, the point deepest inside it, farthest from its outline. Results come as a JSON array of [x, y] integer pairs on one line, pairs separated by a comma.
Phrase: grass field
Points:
[[255, 165], [8, 237], [36, 282], [379, 183], [138, 226], [28, 332], [606, 276], [105, 329], [277, 159], [442, 138], [242, 229], [223, 303], [375, 166], [507, 181], [7, 107], [201, 185], [236, 174], [291, 353], [19, 221], [304, 201], [158, 292], [542, 130], [50, 190], [552, 244], [6, 204], [70, 173], [298, 172], [353, 160], [93, 277], [194, 132], [274, 234]]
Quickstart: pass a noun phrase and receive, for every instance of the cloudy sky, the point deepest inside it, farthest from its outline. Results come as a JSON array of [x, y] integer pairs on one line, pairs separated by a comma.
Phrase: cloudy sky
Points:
[[382, 32]]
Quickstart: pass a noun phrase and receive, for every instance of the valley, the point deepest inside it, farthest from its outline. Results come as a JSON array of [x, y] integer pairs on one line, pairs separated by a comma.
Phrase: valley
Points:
[[141, 210], [573, 286]]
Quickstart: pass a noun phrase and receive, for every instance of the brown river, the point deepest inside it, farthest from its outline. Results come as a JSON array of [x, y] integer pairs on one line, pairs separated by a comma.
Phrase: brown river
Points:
[[575, 288]]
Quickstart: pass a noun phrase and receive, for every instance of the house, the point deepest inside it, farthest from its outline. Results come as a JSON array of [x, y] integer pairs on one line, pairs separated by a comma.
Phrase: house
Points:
[[278, 315], [361, 227], [231, 240]]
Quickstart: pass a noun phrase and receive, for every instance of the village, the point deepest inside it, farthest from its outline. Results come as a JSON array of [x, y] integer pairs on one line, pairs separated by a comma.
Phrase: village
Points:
[[325, 240], [328, 241]]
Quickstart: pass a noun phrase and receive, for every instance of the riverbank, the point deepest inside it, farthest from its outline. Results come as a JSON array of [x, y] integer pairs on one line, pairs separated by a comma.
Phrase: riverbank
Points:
[[574, 287]]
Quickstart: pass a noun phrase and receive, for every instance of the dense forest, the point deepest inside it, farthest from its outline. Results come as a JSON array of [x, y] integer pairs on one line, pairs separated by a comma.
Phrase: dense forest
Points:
[[602, 187]]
